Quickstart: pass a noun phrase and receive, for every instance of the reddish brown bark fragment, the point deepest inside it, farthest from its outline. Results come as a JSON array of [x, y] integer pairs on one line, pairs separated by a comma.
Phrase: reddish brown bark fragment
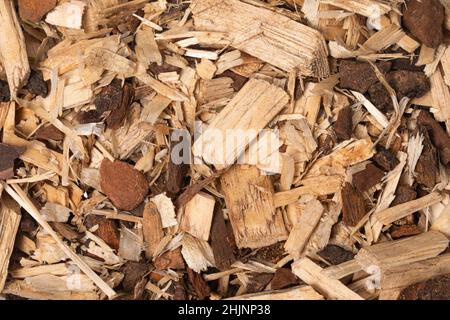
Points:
[[405, 231], [200, 286], [283, 278], [360, 76], [7, 156], [35, 10], [170, 260], [439, 136], [107, 229], [220, 242], [427, 166], [343, 127], [424, 19], [353, 206], [125, 186], [367, 178], [433, 289], [385, 159]]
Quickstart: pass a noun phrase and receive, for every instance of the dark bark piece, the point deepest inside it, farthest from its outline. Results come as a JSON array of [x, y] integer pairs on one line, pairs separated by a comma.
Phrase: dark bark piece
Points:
[[406, 230], [380, 97], [28, 224], [335, 254], [407, 64], [125, 186], [438, 135], [385, 159], [258, 282], [283, 278], [404, 193], [343, 127], [66, 231], [170, 260], [36, 84], [156, 69], [360, 76], [7, 156], [5, 94], [238, 80], [199, 284], [425, 19], [411, 84], [133, 272], [91, 116], [35, 10], [179, 290], [118, 114], [220, 242], [107, 230], [272, 253], [49, 132], [353, 206], [109, 98], [367, 178], [427, 166], [176, 173], [434, 289]]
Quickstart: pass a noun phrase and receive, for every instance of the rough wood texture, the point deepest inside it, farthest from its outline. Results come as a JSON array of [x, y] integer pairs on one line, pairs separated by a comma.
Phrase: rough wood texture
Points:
[[9, 224], [252, 108], [319, 186], [296, 293], [402, 210], [152, 229], [353, 206], [257, 32], [403, 252], [13, 53], [249, 197], [304, 228], [331, 288], [405, 275]]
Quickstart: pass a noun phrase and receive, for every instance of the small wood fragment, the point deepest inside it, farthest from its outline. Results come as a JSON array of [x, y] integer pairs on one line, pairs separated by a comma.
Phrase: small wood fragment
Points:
[[405, 275], [282, 279], [9, 225], [367, 178], [249, 197], [343, 127], [152, 229], [251, 109], [397, 212], [303, 229], [311, 273], [221, 243], [403, 252], [296, 293], [13, 54], [124, 185], [353, 205], [255, 31], [198, 216], [170, 260]]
